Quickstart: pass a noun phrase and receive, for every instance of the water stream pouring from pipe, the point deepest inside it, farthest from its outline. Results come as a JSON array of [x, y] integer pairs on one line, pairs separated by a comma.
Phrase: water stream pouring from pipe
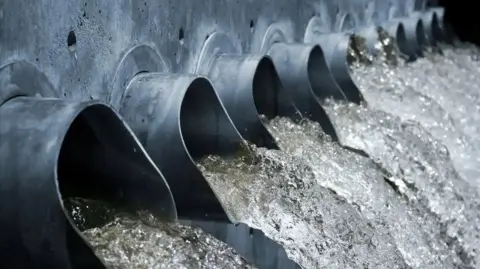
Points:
[[179, 119], [62, 150]]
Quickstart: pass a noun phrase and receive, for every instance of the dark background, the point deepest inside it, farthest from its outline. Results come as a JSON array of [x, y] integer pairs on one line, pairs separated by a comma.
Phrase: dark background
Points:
[[464, 16]]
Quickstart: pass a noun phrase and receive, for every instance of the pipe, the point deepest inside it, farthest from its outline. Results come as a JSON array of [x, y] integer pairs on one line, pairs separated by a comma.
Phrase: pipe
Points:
[[337, 52], [248, 86], [431, 25], [446, 33], [179, 119], [53, 149], [415, 35], [304, 74]]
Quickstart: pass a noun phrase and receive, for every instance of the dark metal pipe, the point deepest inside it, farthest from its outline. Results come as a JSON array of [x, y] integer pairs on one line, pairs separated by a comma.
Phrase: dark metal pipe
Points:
[[431, 25], [178, 118], [304, 74], [248, 86], [415, 35], [52, 149], [336, 51]]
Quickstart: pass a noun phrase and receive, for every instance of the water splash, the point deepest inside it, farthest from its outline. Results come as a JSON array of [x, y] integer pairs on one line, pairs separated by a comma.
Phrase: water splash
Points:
[[124, 241], [281, 195], [444, 104], [328, 206], [378, 193], [424, 169]]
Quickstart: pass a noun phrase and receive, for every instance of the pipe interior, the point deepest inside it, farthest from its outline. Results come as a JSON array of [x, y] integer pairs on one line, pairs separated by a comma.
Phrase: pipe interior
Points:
[[266, 89], [401, 39], [315, 67], [420, 33], [205, 126], [100, 162], [436, 29]]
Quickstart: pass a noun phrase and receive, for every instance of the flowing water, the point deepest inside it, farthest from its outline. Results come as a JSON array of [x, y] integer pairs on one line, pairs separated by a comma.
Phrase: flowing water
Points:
[[140, 241], [439, 92], [406, 197]]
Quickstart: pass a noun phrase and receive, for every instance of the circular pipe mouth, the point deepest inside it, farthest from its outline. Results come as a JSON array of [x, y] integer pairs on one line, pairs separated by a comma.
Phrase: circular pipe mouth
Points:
[[266, 87], [205, 126], [95, 163]]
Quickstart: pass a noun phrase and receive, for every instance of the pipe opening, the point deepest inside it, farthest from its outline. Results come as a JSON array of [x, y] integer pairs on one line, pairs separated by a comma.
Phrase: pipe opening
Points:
[[266, 88], [436, 28], [420, 33], [205, 127], [401, 39], [316, 65], [102, 171]]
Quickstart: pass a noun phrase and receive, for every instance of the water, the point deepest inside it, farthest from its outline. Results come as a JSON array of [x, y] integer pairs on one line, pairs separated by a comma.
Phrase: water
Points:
[[439, 92], [279, 194], [131, 243], [411, 201], [125, 241], [422, 171]]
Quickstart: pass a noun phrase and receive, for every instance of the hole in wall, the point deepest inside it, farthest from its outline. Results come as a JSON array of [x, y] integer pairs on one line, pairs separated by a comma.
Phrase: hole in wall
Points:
[[72, 41]]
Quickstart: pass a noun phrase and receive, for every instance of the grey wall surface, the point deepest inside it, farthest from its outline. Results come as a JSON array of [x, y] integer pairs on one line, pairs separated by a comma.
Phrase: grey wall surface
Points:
[[37, 31]]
